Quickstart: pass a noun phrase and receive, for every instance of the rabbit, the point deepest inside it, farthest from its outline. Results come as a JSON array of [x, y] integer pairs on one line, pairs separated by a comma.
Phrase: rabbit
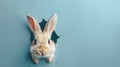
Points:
[[42, 46]]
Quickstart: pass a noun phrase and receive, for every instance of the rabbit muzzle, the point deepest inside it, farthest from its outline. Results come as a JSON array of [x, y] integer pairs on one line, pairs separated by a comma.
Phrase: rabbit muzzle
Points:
[[42, 51]]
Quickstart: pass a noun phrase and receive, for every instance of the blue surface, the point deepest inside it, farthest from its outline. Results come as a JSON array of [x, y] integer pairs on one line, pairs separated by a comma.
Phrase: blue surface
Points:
[[90, 32]]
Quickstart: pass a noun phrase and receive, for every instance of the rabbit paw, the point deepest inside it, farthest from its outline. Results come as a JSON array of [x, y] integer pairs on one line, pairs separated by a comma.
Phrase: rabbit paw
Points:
[[50, 59], [35, 60]]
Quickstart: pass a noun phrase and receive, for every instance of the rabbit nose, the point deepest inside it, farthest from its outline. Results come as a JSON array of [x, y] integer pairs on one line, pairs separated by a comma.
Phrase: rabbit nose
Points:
[[40, 52]]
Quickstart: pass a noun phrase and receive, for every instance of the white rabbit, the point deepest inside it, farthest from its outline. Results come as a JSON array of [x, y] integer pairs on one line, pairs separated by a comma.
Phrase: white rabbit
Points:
[[42, 46]]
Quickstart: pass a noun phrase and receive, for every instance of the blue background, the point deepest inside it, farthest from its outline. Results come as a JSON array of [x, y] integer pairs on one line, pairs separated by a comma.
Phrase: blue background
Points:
[[90, 32]]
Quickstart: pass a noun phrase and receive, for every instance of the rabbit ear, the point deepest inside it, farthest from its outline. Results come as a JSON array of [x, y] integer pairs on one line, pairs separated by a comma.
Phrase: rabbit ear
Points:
[[33, 24], [51, 24]]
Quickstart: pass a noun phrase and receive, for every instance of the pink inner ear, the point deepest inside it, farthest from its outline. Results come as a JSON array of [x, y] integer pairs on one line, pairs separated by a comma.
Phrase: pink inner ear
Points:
[[52, 26], [31, 22], [32, 25]]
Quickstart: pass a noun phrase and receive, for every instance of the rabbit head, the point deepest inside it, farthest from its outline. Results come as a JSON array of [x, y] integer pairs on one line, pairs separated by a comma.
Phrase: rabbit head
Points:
[[41, 44]]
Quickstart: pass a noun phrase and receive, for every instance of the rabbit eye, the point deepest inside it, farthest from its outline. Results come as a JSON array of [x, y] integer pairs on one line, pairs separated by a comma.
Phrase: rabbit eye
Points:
[[35, 41], [48, 41]]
